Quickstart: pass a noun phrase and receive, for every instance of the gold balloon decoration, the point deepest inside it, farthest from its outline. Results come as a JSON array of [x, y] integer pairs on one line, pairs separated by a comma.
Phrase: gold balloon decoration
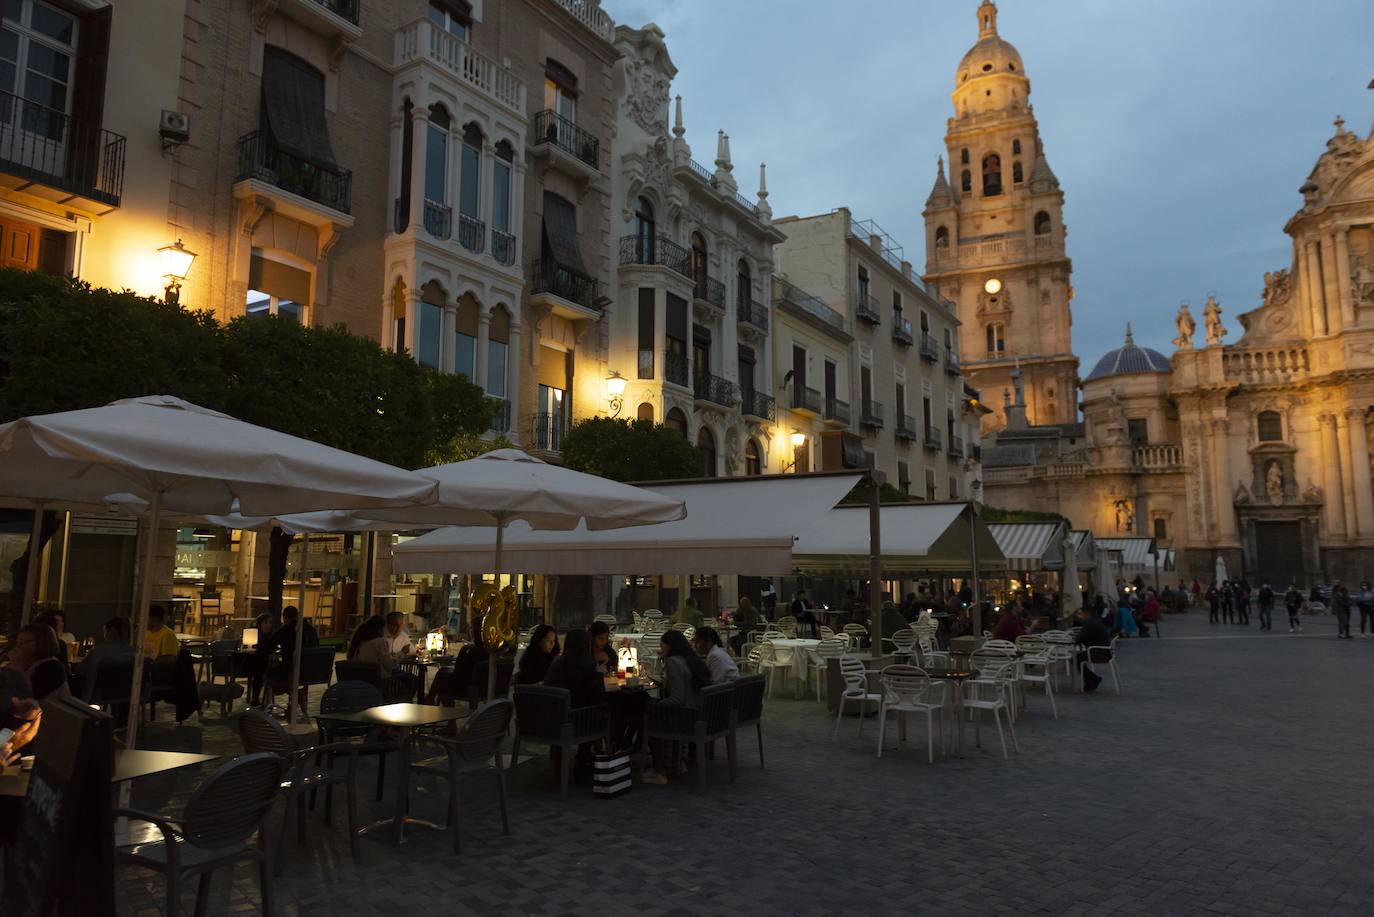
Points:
[[500, 611]]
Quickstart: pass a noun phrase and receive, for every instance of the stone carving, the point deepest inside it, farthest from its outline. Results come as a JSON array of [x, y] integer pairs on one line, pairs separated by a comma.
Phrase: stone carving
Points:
[[1273, 484], [1125, 514], [1242, 494], [1186, 326], [1362, 279], [647, 96], [1277, 287], [1211, 314], [1312, 493]]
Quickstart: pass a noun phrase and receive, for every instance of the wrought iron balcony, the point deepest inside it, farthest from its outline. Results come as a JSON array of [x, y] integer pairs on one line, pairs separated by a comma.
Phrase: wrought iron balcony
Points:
[[502, 246], [906, 428], [806, 399], [933, 440], [788, 295], [837, 410], [546, 431], [656, 250], [872, 415], [704, 173], [757, 404], [952, 362], [547, 276], [500, 421], [348, 9], [746, 203], [901, 329], [930, 350], [56, 150], [438, 219], [472, 233], [714, 389], [866, 309], [708, 289], [752, 312], [956, 447], [551, 127], [675, 368], [260, 158]]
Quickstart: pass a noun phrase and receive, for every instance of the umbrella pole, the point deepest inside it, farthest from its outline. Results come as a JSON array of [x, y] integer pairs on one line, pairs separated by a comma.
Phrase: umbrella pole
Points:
[[300, 634], [976, 612], [369, 573], [496, 577], [66, 556], [875, 568], [31, 577], [145, 597]]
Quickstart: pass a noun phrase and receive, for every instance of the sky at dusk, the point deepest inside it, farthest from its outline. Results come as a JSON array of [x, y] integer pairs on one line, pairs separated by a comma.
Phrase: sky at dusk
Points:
[[1180, 130]]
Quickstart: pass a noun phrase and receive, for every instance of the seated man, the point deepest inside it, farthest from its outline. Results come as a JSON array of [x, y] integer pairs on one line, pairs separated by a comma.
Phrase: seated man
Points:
[[114, 645], [1009, 625], [747, 620], [284, 639], [159, 640], [1092, 633]]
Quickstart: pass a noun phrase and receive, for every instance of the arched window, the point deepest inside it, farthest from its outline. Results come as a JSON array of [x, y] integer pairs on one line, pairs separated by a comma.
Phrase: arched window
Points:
[[744, 284], [471, 233], [963, 156], [699, 264], [645, 412], [676, 420], [644, 230], [1016, 147], [941, 237], [707, 444], [502, 205], [1269, 426], [1016, 176], [1042, 223], [992, 174], [438, 216], [752, 463], [1161, 528], [965, 181]]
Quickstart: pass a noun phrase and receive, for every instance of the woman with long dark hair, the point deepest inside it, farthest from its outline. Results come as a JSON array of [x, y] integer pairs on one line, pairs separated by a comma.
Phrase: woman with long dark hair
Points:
[[684, 675], [541, 651], [574, 670], [603, 654]]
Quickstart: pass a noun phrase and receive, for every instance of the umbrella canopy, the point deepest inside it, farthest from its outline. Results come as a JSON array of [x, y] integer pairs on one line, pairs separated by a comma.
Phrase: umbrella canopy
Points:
[[182, 458], [1070, 596]]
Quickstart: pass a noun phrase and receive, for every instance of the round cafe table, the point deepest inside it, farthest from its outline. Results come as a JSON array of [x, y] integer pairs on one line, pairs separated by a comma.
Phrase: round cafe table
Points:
[[956, 677]]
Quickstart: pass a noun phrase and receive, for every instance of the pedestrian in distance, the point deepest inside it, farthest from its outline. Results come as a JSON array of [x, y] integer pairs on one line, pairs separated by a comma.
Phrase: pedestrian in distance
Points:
[[1266, 607], [1340, 604], [1365, 601], [1214, 604], [1292, 600], [1228, 601], [1243, 602]]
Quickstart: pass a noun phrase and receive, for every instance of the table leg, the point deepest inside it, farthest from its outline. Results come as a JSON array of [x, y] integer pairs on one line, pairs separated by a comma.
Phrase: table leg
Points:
[[959, 717], [401, 817]]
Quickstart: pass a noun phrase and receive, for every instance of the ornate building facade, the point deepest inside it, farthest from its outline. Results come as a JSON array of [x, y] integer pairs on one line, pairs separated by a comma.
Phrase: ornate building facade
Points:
[[995, 239]]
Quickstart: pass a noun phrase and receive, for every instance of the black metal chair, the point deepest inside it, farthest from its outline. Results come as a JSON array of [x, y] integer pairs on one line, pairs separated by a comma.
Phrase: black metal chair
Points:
[[213, 830], [114, 682], [477, 688], [475, 749], [262, 733], [700, 726], [317, 667], [351, 697], [545, 716], [349, 670], [749, 693]]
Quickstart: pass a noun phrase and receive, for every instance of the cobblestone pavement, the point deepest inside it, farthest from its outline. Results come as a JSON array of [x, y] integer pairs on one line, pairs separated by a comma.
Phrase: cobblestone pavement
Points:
[[1232, 776]]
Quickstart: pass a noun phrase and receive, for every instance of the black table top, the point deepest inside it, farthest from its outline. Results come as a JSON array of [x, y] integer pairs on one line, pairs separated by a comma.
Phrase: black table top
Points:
[[399, 715]]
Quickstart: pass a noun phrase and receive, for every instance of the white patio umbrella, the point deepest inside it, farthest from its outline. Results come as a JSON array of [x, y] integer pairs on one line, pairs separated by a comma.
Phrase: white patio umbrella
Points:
[[1070, 597], [181, 458]]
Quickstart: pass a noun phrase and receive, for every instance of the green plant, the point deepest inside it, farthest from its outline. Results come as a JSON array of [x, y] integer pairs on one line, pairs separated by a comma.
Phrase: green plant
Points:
[[630, 450]]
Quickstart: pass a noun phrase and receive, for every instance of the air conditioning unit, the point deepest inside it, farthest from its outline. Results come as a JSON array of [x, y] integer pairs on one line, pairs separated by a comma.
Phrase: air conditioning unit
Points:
[[175, 127]]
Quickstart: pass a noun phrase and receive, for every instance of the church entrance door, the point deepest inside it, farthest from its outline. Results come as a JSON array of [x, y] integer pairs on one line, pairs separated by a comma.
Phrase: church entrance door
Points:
[[1278, 546]]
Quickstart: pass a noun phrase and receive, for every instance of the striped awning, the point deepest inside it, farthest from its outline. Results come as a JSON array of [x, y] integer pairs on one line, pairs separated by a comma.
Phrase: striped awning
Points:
[[1084, 548], [1136, 551], [1030, 546]]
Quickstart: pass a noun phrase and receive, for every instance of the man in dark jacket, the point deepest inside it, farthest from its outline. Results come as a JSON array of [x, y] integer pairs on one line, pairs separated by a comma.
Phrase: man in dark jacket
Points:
[[284, 639], [1266, 607], [1243, 602], [1340, 604], [1092, 632], [1292, 600]]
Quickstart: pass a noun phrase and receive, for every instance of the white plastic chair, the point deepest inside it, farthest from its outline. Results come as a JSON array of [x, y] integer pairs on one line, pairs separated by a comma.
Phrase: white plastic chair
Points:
[[1061, 651], [907, 689], [771, 659], [858, 634], [825, 632], [608, 620], [788, 625], [818, 662], [1036, 666], [653, 614], [855, 689], [929, 654], [903, 643], [990, 691], [1103, 655]]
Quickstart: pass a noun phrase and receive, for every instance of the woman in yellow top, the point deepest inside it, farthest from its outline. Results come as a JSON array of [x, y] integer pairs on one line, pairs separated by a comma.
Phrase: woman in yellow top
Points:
[[159, 640]]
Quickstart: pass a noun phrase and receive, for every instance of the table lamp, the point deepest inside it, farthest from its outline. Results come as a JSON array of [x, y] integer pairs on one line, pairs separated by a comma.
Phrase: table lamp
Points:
[[629, 659], [434, 642], [250, 637]]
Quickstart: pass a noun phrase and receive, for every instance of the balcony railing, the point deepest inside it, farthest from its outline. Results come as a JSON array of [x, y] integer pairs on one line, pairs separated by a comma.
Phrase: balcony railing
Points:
[[551, 127], [472, 233], [1157, 455], [704, 173], [746, 203], [714, 389], [757, 404], [952, 362], [52, 148], [837, 410], [502, 246], [901, 329], [500, 421], [930, 350], [592, 16], [956, 447], [752, 312], [708, 289], [259, 158], [933, 439], [546, 431], [658, 250], [866, 309], [348, 9], [906, 428], [675, 368], [547, 276], [872, 414], [805, 399], [790, 295], [438, 219], [422, 40]]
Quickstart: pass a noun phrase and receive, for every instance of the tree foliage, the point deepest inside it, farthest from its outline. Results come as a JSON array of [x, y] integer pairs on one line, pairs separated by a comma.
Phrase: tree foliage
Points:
[[630, 450], [993, 514], [889, 493]]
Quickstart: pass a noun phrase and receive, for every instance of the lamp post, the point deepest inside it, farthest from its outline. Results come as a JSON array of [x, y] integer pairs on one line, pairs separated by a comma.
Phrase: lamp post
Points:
[[615, 392], [176, 264], [798, 440]]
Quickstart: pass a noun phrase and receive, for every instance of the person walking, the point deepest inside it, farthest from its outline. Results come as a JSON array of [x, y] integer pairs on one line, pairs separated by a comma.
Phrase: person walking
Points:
[[1340, 604], [1228, 601], [1292, 600], [1214, 604], [1266, 607], [1243, 602], [1365, 601]]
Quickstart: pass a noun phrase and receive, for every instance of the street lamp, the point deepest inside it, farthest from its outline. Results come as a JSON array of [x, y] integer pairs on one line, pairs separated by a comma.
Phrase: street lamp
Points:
[[176, 264], [798, 440], [615, 392]]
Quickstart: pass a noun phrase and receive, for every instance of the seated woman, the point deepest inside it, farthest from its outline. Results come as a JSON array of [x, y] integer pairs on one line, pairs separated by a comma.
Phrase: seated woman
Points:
[[574, 670], [453, 683], [718, 662], [34, 655], [66, 641], [369, 643], [605, 657], [684, 675], [115, 645], [535, 660]]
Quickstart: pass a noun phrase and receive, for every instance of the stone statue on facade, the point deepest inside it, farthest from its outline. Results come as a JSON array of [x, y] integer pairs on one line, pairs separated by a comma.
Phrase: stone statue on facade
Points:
[[1273, 484], [1362, 279], [1186, 326], [1242, 494], [1313, 493], [1276, 287], [1211, 314]]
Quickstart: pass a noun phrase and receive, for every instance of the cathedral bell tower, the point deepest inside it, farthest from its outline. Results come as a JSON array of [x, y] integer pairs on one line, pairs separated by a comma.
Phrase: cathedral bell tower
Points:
[[995, 237]]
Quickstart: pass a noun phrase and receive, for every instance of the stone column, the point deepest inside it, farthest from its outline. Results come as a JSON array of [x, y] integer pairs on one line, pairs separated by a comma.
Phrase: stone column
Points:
[[1331, 477], [1344, 287], [479, 366], [1330, 286], [419, 125], [1226, 512], [513, 361], [448, 339], [412, 337], [485, 192], [1347, 476], [1312, 273], [1359, 471]]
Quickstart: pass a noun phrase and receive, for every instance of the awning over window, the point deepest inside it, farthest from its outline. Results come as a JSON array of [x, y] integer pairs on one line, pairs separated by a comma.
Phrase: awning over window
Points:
[[281, 280], [1136, 552], [560, 234], [1031, 546], [293, 107]]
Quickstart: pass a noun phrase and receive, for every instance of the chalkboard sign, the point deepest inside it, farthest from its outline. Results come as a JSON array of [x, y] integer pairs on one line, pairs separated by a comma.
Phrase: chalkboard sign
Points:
[[66, 819]]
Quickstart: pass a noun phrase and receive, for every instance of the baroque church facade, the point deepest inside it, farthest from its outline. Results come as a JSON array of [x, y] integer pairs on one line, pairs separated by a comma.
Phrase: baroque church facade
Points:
[[1251, 445]]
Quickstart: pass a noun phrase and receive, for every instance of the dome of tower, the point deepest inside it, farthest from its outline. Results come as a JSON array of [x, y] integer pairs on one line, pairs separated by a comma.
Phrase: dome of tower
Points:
[[1129, 359], [992, 54]]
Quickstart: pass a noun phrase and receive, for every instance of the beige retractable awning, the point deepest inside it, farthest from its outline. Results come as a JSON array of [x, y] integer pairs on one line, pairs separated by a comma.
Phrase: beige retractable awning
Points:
[[1030, 546], [917, 538]]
